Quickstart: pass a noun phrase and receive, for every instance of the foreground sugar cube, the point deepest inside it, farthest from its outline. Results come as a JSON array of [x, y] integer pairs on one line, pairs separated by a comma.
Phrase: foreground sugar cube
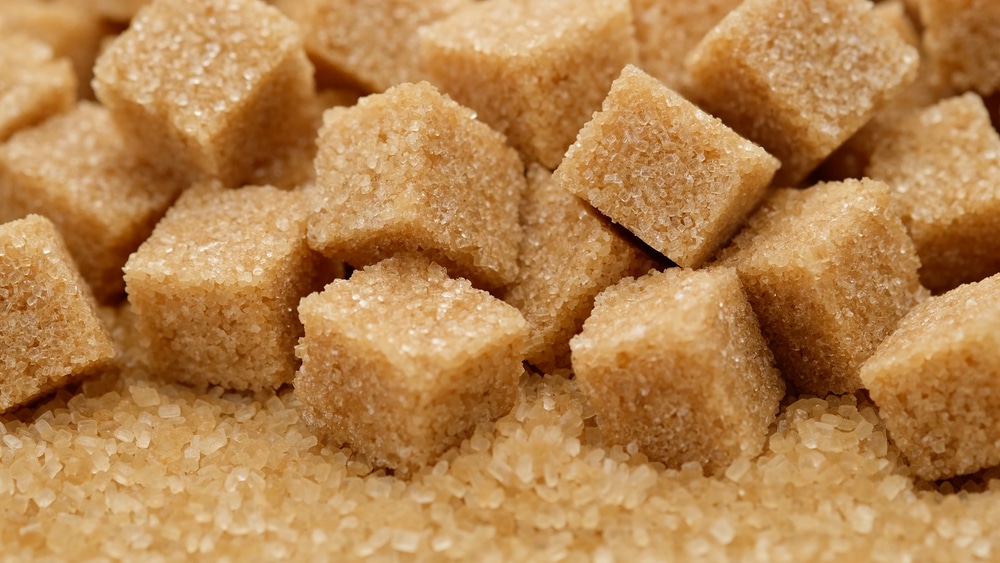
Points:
[[962, 40], [401, 362], [675, 362], [215, 287], [78, 170], [829, 272], [570, 253], [411, 170], [943, 165], [534, 70], [49, 328], [238, 92], [33, 84], [799, 78], [668, 172], [935, 381]]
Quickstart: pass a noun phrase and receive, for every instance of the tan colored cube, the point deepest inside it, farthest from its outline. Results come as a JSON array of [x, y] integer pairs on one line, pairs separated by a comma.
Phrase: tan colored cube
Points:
[[799, 78], [238, 93], [118, 11], [216, 285], [400, 362], [675, 362], [943, 165], [49, 329], [936, 381], [829, 271], [33, 85], [535, 70], [962, 40], [411, 170], [570, 253], [668, 172], [78, 171]]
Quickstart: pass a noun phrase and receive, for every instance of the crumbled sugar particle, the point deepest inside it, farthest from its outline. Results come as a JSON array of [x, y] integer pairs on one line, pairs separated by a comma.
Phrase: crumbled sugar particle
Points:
[[668, 172], [400, 362], [49, 328], [829, 271], [411, 170], [962, 40], [799, 78], [237, 95], [943, 165], [569, 254], [34, 85], [76, 170], [675, 361], [215, 287], [534, 70]]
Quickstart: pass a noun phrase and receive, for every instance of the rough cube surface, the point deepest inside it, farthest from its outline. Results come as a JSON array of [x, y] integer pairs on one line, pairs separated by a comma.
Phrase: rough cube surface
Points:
[[49, 328], [668, 172], [943, 165], [534, 70], [829, 272], [216, 285], [675, 362], [78, 171], [799, 77], [33, 85], [962, 39], [570, 253], [239, 91], [936, 381], [412, 170], [401, 362]]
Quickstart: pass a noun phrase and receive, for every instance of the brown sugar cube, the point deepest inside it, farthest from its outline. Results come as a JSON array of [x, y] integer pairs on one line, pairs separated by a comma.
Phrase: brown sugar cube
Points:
[[216, 285], [675, 362], [799, 77], [943, 165], [118, 11], [936, 381], [829, 271], [238, 92], [371, 44], [411, 169], [962, 40], [33, 85], [401, 362], [78, 171], [667, 30], [570, 253], [675, 176], [49, 329], [535, 70]]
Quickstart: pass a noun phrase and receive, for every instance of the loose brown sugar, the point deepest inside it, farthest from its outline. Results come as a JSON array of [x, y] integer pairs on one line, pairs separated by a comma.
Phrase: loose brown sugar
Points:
[[799, 78], [76, 170], [962, 40], [215, 287], [547, 63], [668, 172], [400, 362], [675, 365], [33, 84], [49, 328], [569, 254], [411, 170]]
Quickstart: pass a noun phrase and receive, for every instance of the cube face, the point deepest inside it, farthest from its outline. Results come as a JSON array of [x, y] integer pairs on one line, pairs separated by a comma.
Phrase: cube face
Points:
[[411, 170], [49, 329], [962, 39], [943, 165], [829, 272], [773, 70], [547, 64], [675, 361], [671, 174], [570, 254], [401, 361], [935, 382], [33, 84], [239, 92], [215, 287], [76, 170]]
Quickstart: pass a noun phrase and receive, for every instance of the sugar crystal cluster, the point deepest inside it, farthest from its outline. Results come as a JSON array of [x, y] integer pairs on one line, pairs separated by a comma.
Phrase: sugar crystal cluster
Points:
[[33, 85]]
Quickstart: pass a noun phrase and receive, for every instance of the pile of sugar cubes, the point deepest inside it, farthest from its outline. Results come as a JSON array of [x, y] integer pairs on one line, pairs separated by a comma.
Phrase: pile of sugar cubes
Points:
[[397, 207]]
